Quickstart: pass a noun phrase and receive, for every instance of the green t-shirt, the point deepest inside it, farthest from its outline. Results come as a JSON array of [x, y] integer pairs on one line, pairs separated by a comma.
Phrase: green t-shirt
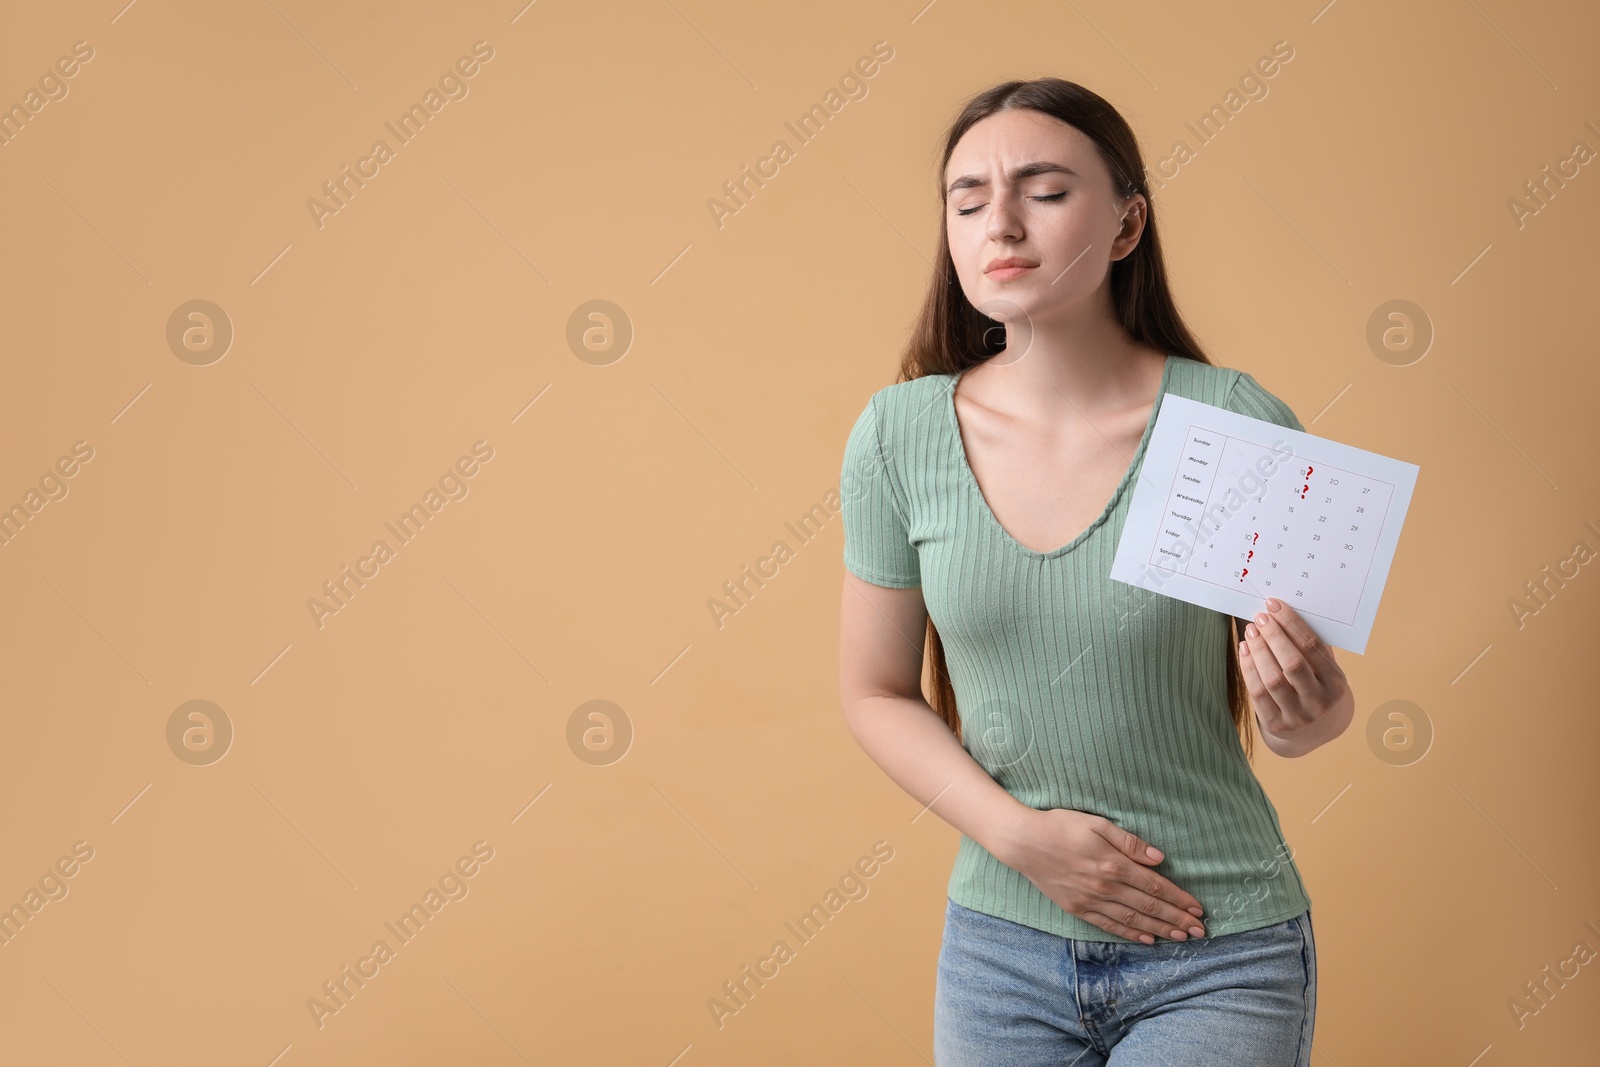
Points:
[[1075, 691]]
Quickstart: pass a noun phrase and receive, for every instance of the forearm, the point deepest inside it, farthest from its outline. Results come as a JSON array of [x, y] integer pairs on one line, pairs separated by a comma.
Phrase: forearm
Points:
[[911, 743]]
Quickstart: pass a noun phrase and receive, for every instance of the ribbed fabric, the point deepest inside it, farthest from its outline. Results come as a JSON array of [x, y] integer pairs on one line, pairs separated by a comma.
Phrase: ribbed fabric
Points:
[[1075, 691]]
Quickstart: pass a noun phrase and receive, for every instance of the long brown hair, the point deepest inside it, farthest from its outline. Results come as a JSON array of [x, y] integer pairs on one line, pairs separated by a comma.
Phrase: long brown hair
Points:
[[950, 335]]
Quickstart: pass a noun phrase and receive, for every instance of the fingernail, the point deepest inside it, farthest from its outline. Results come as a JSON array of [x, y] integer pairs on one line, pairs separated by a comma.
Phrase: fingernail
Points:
[[1196, 912], [1197, 931], [1261, 618], [1273, 603], [1153, 852], [1250, 631]]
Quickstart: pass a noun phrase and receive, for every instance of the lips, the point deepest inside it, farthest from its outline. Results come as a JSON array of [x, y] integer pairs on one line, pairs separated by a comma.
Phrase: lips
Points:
[[1010, 261]]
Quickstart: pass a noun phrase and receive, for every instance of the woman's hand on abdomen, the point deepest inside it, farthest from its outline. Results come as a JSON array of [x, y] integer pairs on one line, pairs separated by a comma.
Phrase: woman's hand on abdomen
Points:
[[1102, 874]]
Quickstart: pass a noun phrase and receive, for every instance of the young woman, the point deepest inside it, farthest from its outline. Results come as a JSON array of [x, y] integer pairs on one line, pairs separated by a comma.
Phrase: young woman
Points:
[[1122, 892]]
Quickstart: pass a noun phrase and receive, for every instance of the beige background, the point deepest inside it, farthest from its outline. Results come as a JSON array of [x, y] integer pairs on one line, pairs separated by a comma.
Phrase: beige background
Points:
[[434, 311]]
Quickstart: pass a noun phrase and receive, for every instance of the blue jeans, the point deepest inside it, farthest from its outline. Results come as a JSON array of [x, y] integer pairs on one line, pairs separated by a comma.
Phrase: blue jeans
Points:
[[1008, 995]]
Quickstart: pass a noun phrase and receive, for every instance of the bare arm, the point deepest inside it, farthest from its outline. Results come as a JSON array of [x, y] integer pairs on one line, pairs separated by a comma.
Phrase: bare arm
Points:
[[881, 637], [1084, 862]]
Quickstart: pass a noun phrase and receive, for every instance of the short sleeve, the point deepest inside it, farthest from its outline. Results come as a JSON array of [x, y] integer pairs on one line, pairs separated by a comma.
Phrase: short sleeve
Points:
[[877, 548], [1247, 397]]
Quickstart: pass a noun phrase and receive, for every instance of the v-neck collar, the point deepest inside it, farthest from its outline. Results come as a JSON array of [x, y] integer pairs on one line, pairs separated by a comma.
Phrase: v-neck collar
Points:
[[954, 424]]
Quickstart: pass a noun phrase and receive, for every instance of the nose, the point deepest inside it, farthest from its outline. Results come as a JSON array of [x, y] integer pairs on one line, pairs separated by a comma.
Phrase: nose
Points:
[[1005, 218]]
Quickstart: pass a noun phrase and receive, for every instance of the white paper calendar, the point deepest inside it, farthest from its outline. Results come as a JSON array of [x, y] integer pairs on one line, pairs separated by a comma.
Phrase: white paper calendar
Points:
[[1229, 510]]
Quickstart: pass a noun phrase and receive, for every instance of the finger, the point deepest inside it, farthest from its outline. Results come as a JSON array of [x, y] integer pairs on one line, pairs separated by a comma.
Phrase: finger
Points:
[[1284, 611], [1317, 650], [1293, 653], [1260, 668], [1129, 843], [1166, 892], [1146, 891], [1110, 925], [1128, 921], [1282, 696], [1153, 903]]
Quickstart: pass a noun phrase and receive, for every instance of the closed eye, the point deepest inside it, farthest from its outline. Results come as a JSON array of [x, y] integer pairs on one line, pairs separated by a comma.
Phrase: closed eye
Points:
[[1041, 199]]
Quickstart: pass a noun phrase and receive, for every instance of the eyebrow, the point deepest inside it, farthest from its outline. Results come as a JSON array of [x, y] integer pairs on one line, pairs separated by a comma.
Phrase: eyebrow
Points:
[[1027, 170]]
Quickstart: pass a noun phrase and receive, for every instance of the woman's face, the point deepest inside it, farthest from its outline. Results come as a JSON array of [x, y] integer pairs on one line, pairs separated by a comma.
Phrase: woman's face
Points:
[[1022, 184]]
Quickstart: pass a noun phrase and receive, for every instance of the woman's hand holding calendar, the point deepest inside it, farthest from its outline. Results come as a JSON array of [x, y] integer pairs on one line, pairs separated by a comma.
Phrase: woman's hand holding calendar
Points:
[[1301, 696]]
